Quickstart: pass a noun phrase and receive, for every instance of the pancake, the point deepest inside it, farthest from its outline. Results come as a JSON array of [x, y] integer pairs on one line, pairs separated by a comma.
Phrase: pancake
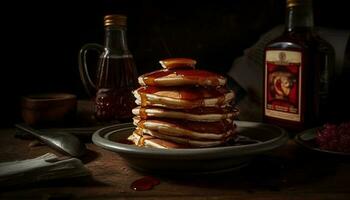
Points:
[[181, 77], [181, 107], [183, 98], [204, 130], [187, 142], [201, 114], [172, 63], [189, 135], [151, 141]]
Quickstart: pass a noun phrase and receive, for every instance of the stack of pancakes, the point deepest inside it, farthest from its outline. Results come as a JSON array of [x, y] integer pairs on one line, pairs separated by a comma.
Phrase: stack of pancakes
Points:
[[181, 107]]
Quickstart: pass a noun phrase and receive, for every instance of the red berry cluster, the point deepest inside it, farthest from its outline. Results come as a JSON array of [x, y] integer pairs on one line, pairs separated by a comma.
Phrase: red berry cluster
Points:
[[334, 137]]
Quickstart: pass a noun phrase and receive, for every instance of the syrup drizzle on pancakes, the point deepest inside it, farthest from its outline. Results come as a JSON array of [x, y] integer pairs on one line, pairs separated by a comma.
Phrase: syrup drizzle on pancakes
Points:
[[182, 107], [187, 77]]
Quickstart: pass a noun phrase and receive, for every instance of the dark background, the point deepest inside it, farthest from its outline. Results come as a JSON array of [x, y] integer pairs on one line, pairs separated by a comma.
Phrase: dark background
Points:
[[41, 40]]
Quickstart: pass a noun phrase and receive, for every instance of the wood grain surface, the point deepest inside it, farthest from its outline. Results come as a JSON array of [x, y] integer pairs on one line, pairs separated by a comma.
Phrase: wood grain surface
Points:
[[287, 173]]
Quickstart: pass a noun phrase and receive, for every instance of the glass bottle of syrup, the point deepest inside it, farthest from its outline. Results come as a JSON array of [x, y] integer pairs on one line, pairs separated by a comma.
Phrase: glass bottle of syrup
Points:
[[298, 74], [116, 72]]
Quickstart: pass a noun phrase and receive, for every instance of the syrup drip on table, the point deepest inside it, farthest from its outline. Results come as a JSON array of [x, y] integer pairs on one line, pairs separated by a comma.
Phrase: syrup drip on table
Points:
[[144, 183]]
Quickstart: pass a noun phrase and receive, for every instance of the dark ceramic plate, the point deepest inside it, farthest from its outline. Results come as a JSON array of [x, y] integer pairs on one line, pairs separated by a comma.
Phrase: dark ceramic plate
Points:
[[199, 160], [307, 139]]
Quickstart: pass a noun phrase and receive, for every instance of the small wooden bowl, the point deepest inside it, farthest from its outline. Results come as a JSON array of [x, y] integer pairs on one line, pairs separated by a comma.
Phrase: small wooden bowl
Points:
[[48, 108]]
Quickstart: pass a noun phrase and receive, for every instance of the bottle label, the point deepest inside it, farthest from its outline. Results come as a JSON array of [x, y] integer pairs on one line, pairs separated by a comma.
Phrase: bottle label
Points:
[[283, 84]]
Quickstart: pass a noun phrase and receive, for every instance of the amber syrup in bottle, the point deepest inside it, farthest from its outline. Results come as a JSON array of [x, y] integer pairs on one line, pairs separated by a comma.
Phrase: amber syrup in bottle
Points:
[[298, 72], [116, 75]]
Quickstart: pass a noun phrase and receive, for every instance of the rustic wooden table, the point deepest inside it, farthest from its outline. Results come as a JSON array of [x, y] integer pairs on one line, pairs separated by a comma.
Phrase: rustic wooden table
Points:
[[287, 173]]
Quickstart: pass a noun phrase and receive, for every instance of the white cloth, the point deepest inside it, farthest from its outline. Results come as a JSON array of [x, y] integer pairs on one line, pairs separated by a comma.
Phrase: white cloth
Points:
[[44, 167]]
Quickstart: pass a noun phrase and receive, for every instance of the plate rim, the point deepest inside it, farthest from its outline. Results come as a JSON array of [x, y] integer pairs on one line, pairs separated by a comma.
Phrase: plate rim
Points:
[[211, 152]]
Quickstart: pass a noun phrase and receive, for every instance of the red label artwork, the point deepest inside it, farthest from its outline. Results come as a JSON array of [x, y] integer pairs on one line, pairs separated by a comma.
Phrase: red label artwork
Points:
[[282, 83]]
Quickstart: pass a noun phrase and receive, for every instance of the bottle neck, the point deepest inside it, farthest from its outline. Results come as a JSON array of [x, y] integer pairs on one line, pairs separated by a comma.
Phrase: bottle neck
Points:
[[115, 40], [300, 17]]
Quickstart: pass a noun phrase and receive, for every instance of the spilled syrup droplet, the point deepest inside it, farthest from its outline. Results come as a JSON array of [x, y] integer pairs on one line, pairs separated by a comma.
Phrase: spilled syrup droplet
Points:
[[145, 183]]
